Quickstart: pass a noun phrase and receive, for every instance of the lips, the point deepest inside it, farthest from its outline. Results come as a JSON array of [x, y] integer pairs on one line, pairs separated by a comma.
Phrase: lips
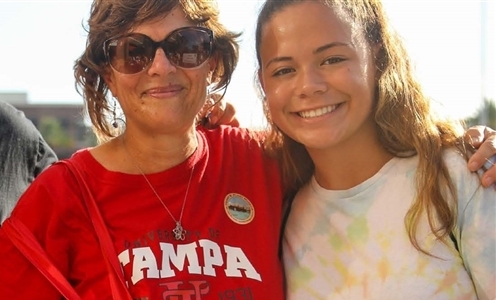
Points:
[[170, 89], [313, 113]]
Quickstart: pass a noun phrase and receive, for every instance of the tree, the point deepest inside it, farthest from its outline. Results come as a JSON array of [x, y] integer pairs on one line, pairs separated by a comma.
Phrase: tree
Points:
[[54, 133], [485, 115]]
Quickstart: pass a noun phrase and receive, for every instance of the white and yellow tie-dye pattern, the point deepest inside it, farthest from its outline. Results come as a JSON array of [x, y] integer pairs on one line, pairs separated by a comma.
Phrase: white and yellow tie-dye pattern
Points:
[[353, 244]]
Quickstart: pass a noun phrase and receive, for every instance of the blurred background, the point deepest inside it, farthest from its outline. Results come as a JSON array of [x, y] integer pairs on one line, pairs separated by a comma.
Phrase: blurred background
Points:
[[452, 43]]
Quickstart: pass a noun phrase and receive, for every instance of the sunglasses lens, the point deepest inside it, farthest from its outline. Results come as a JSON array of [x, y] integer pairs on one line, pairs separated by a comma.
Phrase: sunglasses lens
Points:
[[130, 54], [188, 47]]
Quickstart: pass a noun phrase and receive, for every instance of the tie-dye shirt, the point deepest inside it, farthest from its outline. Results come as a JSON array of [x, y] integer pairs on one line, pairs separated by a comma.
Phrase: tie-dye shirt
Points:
[[352, 244]]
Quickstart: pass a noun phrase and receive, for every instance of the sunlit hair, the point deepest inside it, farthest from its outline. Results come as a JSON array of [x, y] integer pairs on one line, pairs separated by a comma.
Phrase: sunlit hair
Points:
[[405, 123], [111, 18]]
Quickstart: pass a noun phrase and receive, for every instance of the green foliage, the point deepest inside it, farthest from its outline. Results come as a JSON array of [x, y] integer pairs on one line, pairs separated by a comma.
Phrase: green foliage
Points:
[[54, 133], [90, 139], [485, 115]]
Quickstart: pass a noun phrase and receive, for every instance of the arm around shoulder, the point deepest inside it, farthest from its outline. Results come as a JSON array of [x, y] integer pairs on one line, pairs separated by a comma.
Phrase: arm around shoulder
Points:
[[483, 138], [476, 234]]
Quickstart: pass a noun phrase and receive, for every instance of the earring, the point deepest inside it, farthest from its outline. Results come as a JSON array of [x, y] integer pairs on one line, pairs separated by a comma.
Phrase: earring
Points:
[[210, 91], [114, 123], [203, 116]]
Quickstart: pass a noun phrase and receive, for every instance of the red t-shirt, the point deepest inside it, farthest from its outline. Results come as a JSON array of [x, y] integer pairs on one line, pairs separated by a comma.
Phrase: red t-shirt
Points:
[[232, 216]]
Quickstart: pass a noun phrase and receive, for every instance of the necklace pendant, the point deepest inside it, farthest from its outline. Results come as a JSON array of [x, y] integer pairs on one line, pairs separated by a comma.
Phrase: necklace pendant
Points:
[[179, 232]]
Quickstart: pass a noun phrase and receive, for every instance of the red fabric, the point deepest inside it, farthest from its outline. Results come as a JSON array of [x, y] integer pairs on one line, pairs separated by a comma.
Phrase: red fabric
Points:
[[220, 258], [116, 276], [29, 246]]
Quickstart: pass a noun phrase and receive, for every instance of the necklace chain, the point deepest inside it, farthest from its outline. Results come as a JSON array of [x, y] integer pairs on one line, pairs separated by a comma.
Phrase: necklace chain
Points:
[[179, 231]]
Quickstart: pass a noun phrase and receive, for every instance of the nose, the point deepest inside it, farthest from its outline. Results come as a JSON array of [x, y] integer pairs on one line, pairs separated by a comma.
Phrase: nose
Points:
[[310, 82], [161, 65]]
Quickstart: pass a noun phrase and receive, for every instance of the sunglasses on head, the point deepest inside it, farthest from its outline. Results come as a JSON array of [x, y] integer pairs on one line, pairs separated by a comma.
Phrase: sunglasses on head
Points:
[[186, 47]]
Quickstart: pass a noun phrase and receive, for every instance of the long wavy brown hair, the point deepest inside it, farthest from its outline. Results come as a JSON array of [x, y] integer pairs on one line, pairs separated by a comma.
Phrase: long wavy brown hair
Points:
[[111, 18], [406, 125]]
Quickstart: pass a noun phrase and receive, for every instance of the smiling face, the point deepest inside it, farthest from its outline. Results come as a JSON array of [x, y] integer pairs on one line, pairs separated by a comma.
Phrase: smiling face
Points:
[[163, 99], [318, 77]]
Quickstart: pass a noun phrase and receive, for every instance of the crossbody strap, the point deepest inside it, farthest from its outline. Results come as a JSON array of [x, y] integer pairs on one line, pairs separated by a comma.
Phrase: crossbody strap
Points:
[[119, 288], [286, 209], [27, 244]]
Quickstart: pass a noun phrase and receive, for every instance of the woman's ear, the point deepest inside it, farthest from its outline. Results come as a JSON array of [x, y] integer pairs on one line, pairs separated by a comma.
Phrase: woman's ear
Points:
[[110, 81], [212, 62]]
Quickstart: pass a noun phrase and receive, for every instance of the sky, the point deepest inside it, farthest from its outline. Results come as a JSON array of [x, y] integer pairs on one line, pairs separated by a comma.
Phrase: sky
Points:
[[453, 53]]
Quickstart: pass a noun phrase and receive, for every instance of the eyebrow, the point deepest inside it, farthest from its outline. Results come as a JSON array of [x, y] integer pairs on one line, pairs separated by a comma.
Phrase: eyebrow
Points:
[[330, 45], [316, 51]]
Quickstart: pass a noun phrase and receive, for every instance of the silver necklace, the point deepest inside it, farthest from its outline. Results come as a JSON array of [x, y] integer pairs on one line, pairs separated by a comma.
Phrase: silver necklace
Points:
[[179, 231]]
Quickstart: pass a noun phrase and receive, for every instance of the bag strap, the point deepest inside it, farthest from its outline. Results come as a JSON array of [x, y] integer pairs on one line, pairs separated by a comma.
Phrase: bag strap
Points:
[[27, 244], [117, 284], [286, 209]]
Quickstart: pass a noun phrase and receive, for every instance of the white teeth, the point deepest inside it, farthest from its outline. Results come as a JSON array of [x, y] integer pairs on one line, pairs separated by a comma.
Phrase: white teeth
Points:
[[317, 112]]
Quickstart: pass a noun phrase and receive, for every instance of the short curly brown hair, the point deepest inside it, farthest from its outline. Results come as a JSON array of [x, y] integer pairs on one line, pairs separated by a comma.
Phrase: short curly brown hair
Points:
[[110, 18]]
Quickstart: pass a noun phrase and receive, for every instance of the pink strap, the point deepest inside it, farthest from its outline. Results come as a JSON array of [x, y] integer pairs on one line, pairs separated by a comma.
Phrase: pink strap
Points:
[[25, 241]]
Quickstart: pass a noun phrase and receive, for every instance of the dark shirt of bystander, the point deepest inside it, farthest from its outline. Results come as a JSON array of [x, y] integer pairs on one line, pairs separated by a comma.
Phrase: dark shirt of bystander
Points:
[[24, 154]]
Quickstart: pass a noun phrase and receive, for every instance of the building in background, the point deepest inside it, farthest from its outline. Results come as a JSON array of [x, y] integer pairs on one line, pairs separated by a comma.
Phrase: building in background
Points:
[[62, 125]]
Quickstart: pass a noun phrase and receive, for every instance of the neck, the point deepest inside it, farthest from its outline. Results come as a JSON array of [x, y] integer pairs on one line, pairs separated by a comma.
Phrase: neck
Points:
[[154, 154], [342, 167]]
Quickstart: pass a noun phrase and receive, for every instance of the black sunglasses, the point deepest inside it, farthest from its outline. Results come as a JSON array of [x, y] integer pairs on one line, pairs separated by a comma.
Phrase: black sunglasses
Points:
[[185, 47]]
